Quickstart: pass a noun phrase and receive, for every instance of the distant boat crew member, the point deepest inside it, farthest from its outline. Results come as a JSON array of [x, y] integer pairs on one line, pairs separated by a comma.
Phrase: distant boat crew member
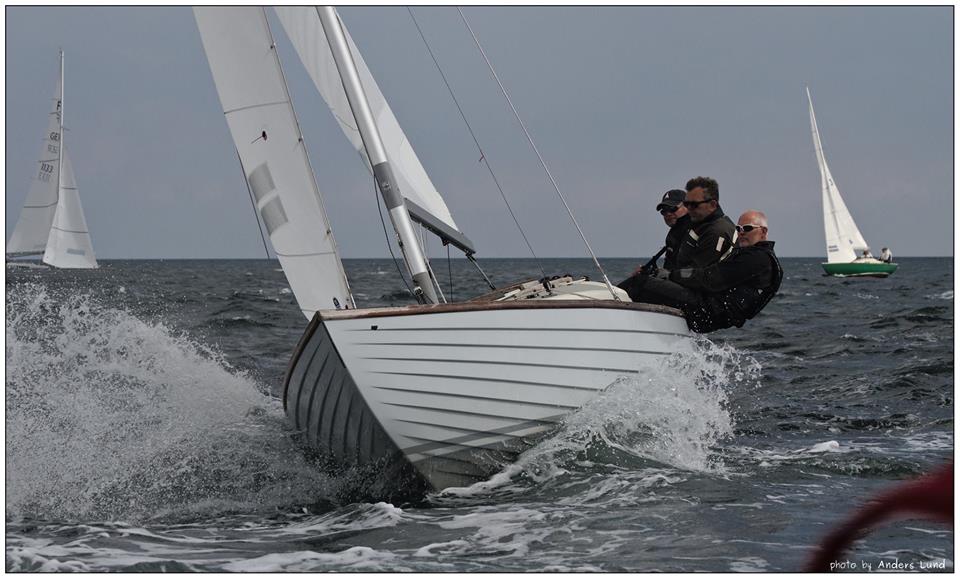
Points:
[[886, 256], [727, 293]]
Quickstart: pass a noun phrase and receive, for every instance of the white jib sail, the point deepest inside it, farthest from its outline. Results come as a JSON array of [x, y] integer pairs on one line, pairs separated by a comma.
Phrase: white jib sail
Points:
[[845, 243], [257, 106], [33, 227], [68, 245], [302, 24]]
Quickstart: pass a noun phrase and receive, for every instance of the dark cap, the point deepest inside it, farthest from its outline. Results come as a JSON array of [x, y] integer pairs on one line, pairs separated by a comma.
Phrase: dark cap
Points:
[[672, 198]]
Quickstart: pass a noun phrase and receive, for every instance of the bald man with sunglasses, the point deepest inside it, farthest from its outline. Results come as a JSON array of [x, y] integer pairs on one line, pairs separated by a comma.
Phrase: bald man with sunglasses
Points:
[[727, 293]]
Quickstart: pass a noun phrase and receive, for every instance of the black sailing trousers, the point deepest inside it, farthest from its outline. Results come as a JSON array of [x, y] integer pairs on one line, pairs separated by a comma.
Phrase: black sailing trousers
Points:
[[653, 290]]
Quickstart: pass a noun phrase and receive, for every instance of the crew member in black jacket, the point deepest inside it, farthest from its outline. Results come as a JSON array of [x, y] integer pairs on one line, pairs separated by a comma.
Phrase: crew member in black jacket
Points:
[[727, 293], [675, 217], [712, 235], [700, 238]]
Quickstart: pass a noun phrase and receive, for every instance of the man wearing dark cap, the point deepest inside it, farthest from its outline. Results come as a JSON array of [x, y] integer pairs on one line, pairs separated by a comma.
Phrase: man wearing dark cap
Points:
[[675, 216]]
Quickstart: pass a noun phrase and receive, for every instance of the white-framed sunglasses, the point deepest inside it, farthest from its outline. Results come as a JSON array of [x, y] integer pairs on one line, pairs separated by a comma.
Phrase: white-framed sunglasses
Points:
[[748, 228]]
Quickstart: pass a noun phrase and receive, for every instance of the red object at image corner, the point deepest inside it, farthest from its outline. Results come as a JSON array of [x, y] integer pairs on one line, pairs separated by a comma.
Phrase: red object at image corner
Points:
[[929, 497]]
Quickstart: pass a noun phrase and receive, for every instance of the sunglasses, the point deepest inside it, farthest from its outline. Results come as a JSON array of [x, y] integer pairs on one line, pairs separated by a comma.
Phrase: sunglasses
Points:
[[669, 210], [748, 228], [692, 204]]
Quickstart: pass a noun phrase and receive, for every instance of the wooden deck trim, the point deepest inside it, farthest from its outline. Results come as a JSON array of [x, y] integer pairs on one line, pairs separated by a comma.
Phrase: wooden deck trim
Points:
[[472, 306]]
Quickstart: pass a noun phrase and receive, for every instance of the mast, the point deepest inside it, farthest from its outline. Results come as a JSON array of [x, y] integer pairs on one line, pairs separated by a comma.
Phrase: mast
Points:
[[825, 179], [60, 138], [383, 174]]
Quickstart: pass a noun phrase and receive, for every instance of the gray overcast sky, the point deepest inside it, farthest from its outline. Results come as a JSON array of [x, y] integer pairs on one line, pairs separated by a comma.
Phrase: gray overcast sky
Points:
[[623, 102]]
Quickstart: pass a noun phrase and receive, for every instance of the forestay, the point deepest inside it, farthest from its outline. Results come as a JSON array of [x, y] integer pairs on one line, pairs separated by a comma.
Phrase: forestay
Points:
[[844, 240], [33, 227], [257, 106], [424, 202], [68, 245]]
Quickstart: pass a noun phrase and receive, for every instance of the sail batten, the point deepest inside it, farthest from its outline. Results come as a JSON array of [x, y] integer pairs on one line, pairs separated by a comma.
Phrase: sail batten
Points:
[[305, 31], [257, 107], [843, 238], [278, 103]]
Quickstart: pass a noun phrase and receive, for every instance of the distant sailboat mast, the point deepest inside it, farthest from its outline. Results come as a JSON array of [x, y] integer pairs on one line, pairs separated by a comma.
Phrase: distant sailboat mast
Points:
[[60, 138], [68, 242]]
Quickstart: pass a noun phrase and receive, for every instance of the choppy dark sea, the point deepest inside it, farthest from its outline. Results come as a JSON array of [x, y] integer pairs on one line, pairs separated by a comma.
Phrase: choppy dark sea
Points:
[[144, 433]]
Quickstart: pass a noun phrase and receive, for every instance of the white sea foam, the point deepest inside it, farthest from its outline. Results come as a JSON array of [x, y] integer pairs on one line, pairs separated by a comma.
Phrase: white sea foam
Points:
[[38, 555], [828, 446], [926, 441], [673, 414], [749, 565], [362, 517], [353, 559], [947, 295], [110, 416], [507, 533]]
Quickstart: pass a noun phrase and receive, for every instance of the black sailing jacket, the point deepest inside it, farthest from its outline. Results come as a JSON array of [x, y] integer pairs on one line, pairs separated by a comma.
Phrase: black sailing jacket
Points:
[[734, 290], [674, 239], [707, 242]]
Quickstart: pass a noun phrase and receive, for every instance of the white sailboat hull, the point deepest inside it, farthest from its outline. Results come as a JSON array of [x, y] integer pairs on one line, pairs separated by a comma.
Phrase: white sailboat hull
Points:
[[459, 390]]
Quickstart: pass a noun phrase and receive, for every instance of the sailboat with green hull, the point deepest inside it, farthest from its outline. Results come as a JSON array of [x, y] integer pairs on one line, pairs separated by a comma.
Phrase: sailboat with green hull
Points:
[[848, 254], [868, 267]]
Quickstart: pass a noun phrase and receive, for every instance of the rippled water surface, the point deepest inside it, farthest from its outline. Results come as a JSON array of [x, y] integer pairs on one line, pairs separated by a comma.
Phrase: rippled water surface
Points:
[[144, 433]]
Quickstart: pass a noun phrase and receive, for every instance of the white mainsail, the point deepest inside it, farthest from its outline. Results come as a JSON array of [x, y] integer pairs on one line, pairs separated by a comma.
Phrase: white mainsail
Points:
[[33, 227], [68, 245], [303, 27], [845, 243], [259, 112]]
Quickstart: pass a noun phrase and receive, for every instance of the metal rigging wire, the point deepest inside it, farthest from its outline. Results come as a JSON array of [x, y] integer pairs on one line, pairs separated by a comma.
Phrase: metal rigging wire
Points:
[[450, 271], [539, 156], [483, 156], [376, 191]]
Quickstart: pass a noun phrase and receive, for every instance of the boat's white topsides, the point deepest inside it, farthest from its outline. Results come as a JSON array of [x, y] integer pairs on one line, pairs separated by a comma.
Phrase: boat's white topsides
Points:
[[453, 384]]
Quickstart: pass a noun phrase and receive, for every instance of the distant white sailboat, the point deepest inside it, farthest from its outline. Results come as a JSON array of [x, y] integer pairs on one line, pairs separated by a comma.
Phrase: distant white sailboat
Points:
[[51, 223], [846, 247], [454, 389]]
